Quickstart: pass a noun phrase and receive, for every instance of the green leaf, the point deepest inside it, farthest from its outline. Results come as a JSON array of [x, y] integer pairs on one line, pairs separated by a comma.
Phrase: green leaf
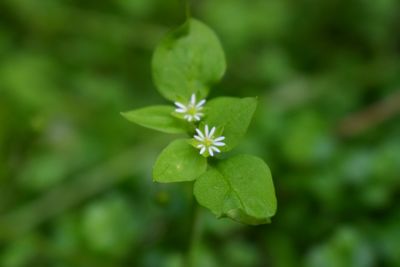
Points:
[[188, 60], [157, 118], [240, 188], [233, 115], [179, 162]]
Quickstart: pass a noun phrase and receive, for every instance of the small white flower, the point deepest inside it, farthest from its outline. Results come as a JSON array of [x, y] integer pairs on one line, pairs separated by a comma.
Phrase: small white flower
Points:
[[208, 142], [191, 111]]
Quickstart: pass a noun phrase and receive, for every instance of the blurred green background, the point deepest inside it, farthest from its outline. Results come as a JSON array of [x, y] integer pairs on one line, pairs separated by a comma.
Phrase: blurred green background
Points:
[[75, 177]]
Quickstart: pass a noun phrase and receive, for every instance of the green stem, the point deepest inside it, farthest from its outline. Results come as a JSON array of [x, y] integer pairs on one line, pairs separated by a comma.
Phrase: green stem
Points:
[[187, 9], [195, 235]]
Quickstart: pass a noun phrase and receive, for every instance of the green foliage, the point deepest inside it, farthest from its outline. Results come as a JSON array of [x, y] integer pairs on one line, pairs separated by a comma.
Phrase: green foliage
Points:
[[107, 227], [233, 115], [185, 64], [179, 162], [69, 67], [240, 188], [346, 248], [157, 118], [188, 60]]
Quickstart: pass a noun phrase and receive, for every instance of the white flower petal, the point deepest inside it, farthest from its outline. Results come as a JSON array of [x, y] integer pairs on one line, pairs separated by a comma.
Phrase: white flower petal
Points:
[[200, 133], [180, 110], [197, 117], [198, 138], [202, 150], [219, 139], [210, 151], [215, 149], [219, 144], [193, 99], [200, 146], [212, 131], [200, 104], [206, 132], [180, 105]]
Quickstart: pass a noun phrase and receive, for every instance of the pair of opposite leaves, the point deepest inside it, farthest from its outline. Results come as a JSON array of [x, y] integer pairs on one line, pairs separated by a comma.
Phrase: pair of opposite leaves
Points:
[[188, 61]]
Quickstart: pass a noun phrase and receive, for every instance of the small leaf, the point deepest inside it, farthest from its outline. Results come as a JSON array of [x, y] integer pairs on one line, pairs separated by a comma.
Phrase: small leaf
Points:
[[233, 115], [157, 118], [179, 162], [188, 60], [240, 188]]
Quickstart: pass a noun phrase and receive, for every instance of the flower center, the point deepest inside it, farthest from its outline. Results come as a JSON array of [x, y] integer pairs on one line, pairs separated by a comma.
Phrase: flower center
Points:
[[192, 110], [208, 142]]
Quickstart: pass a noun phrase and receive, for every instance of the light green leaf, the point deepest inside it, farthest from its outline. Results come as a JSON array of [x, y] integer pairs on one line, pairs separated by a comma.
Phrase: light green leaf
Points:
[[233, 115], [240, 188], [157, 118], [179, 162], [188, 60]]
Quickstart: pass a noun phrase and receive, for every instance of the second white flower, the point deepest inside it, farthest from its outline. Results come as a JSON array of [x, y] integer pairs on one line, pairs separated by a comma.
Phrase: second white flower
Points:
[[208, 143], [191, 111]]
